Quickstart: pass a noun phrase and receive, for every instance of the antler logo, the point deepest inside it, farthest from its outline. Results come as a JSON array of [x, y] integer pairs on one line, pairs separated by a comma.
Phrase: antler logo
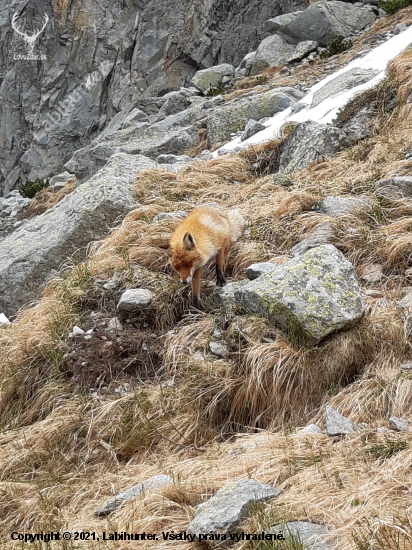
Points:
[[30, 40]]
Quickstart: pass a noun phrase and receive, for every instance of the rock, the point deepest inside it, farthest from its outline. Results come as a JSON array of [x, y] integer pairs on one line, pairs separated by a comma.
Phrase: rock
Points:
[[246, 63], [398, 424], [358, 127], [340, 206], [345, 81], [308, 142], [144, 487], [373, 293], [170, 215], [114, 324], [172, 159], [30, 254], [3, 320], [112, 283], [213, 102], [363, 426], [312, 535], [221, 350], [212, 77], [309, 296], [60, 178], [225, 511], [399, 28], [256, 270], [373, 273], [406, 302], [311, 429], [407, 365], [135, 116], [273, 50], [336, 424], [322, 235], [252, 128], [134, 299], [302, 50], [394, 188], [76, 331], [325, 21], [233, 116], [204, 155], [276, 24], [175, 102]]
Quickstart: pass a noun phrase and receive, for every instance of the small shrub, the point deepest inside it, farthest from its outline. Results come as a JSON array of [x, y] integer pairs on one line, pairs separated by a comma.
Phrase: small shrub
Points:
[[219, 90], [29, 188], [392, 6], [336, 46], [261, 79], [382, 451]]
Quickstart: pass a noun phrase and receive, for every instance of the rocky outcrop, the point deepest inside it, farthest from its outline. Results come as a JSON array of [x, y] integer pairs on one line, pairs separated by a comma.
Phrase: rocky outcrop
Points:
[[30, 254], [234, 115], [224, 512], [309, 296]]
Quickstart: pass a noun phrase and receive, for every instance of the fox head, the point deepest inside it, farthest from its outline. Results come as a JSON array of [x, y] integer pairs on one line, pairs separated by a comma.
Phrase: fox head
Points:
[[186, 258]]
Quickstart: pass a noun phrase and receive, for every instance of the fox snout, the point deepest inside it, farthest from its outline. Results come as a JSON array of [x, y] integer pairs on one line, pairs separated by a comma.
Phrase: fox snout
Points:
[[186, 276]]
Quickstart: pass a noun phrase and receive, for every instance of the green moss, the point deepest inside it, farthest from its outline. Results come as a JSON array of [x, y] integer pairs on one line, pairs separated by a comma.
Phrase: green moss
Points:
[[392, 6]]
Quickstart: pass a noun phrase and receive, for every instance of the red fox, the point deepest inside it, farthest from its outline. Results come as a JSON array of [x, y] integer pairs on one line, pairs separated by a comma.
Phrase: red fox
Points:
[[205, 233]]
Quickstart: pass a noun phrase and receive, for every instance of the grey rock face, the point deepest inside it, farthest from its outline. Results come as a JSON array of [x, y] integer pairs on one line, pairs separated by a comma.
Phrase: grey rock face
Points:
[[134, 299], [302, 50], [172, 159], [307, 142], [233, 116], [309, 296], [324, 21], [398, 424], [313, 535], [276, 24], [224, 512], [252, 128], [149, 485], [336, 424], [339, 206], [273, 50], [394, 188], [311, 429], [33, 251], [358, 127], [350, 79], [212, 77], [219, 349], [256, 270], [60, 178]]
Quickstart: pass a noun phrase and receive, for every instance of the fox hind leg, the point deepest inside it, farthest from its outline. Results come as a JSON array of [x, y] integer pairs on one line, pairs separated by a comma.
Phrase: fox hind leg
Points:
[[220, 265]]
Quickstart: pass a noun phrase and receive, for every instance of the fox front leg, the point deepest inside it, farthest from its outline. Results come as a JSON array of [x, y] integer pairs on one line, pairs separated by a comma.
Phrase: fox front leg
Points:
[[196, 287]]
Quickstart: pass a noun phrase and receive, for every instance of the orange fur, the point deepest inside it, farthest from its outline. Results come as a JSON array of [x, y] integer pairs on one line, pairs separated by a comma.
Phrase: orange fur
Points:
[[205, 233]]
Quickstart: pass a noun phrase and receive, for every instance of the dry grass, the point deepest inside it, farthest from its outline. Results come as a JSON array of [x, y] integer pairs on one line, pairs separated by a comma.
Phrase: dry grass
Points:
[[47, 198], [205, 420]]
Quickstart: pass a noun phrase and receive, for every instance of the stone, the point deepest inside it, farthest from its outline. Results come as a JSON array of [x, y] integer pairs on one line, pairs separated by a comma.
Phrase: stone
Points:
[[398, 424], [135, 116], [308, 297], [175, 102], [60, 178], [312, 535], [114, 324], [399, 28], [219, 349], [357, 128], [204, 155], [325, 21], [172, 159], [335, 206], [256, 270], [406, 302], [311, 429], [373, 293], [233, 116], [144, 487], [170, 215], [134, 299], [320, 236], [373, 273], [246, 63], [310, 141], [76, 331], [336, 424], [213, 76], [302, 50], [30, 254], [394, 188], [3, 320], [252, 128], [225, 511], [345, 81], [273, 50], [213, 102], [276, 24]]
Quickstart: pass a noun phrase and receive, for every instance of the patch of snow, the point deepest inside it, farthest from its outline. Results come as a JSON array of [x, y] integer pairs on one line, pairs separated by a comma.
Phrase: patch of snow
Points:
[[325, 112]]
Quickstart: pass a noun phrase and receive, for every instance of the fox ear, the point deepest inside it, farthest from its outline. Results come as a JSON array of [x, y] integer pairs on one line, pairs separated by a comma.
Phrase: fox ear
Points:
[[189, 241]]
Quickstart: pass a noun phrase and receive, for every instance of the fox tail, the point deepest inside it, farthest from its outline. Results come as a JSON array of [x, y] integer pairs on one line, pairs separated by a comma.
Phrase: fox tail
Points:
[[237, 224]]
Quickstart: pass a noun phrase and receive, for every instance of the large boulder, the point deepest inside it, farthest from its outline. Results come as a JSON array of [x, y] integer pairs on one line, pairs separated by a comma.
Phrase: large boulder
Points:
[[212, 77], [224, 512], [31, 253], [276, 24], [345, 81], [302, 50], [309, 296], [273, 50], [310, 141], [234, 115], [323, 22]]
